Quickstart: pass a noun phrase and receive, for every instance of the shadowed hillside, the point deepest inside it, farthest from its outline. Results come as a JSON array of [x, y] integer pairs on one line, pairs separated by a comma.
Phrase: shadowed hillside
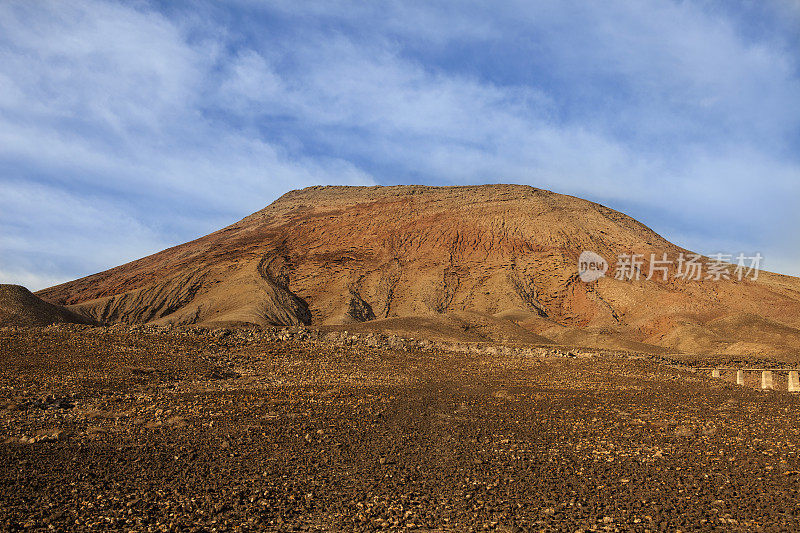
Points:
[[19, 307]]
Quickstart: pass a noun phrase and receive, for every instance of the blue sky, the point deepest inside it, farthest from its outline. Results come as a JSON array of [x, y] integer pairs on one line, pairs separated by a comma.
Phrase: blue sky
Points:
[[128, 127]]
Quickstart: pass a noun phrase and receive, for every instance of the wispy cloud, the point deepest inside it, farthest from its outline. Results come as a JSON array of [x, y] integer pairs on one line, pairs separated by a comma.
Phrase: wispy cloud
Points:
[[109, 149], [133, 118]]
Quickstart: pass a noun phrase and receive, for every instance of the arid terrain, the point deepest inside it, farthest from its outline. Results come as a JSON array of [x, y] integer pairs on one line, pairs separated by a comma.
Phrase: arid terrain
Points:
[[149, 428], [400, 358]]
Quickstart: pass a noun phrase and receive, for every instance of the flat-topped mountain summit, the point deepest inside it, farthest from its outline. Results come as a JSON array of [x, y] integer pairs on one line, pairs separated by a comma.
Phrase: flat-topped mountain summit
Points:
[[493, 261]]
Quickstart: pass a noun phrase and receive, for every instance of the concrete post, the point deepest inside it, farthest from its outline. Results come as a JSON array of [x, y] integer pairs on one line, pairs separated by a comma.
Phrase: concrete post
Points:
[[794, 383], [715, 373], [739, 377], [766, 380]]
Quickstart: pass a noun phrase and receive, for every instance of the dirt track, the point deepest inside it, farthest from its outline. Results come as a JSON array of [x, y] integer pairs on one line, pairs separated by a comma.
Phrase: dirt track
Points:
[[165, 431]]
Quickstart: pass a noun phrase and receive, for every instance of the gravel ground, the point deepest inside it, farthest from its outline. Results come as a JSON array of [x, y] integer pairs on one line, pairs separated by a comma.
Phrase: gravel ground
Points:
[[114, 429]]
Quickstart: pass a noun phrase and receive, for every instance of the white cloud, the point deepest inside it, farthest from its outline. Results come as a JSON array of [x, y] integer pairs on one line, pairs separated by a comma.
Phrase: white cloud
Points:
[[31, 280], [661, 105], [96, 62], [100, 119], [47, 227]]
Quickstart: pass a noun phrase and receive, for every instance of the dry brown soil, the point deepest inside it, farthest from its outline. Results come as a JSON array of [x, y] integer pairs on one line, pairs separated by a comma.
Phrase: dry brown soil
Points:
[[120, 429]]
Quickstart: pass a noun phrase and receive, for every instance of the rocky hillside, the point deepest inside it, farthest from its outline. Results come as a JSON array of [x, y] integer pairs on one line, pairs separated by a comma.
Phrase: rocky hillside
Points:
[[474, 260]]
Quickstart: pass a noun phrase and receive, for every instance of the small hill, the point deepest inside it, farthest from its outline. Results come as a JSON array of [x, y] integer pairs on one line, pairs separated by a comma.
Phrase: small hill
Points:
[[20, 307]]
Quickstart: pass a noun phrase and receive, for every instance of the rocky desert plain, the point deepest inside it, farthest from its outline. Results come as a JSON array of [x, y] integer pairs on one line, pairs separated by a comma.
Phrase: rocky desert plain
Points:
[[401, 358]]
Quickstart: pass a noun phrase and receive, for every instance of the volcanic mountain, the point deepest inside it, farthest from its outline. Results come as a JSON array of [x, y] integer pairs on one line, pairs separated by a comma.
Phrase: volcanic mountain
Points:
[[491, 262]]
